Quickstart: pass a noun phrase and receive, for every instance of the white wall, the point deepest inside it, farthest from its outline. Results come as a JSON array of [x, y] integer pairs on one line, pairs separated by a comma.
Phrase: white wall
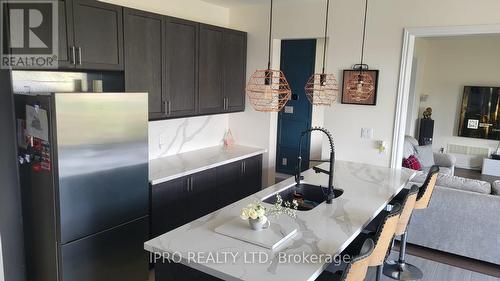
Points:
[[386, 21], [453, 63], [195, 10], [185, 134]]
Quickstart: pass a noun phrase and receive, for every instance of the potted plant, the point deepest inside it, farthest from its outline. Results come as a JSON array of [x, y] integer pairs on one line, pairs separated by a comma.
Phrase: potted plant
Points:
[[257, 214]]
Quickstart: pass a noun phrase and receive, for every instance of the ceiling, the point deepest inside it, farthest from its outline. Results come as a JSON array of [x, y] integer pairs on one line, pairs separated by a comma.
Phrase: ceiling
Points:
[[239, 3]]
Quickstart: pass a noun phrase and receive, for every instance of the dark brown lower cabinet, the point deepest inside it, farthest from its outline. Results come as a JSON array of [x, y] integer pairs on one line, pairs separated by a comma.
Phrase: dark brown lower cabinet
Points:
[[179, 201], [179, 272]]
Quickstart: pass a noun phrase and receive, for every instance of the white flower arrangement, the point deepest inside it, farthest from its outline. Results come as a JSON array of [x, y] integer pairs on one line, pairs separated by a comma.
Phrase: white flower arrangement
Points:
[[256, 211]]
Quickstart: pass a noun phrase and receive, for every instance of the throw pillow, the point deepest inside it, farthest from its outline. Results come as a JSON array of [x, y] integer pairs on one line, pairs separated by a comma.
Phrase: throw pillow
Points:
[[496, 188], [412, 163], [425, 155]]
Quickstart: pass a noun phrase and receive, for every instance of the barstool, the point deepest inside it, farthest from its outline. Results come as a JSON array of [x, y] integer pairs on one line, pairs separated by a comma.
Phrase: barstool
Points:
[[356, 269], [383, 239], [401, 270]]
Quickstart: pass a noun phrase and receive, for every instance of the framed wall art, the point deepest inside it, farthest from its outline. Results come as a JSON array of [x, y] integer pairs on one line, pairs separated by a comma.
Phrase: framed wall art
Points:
[[360, 90]]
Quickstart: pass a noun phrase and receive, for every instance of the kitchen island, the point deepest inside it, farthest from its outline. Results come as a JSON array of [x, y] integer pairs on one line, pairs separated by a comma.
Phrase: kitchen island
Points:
[[323, 231]]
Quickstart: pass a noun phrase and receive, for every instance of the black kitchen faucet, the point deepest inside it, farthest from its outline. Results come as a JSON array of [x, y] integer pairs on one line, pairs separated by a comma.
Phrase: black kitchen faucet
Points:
[[330, 190]]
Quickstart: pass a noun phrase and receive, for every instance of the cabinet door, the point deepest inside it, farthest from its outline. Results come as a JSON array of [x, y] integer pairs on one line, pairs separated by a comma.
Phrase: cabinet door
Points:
[[98, 31], [181, 67], [251, 181], [169, 202], [202, 194], [228, 179], [66, 57], [211, 68], [143, 49], [235, 58]]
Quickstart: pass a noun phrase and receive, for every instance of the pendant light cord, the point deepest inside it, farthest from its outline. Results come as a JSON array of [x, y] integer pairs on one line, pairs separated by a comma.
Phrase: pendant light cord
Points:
[[364, 35], [326, 32], [270, 31]]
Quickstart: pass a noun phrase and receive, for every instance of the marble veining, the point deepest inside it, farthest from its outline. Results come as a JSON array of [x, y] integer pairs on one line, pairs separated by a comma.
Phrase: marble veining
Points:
[[183, 164], [327, 229]]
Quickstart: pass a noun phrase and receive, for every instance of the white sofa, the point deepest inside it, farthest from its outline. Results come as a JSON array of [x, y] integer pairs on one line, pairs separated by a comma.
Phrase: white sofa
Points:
[[462, 218], [446, 162]]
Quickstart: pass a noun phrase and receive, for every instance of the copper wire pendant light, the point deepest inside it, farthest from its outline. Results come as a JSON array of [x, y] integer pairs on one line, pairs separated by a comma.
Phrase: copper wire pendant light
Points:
[[267, 89], [360, 86], [321, 88]]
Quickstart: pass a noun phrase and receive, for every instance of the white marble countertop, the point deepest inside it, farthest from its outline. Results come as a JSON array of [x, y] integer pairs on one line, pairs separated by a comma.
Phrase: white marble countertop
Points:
[[326, 229], [183, 164]]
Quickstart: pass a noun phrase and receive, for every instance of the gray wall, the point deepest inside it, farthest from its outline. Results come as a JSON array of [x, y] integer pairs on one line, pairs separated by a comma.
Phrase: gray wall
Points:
[[10, 200]]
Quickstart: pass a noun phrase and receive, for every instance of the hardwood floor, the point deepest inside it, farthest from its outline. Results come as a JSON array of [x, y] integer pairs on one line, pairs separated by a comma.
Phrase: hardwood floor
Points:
[[474, 174], [453, 260]]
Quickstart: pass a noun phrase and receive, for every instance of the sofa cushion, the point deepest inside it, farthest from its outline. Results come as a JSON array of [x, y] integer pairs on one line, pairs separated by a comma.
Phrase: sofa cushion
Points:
[[442, 170], [409, 146], [425, 155], [412, 163], [495, 188], [457, 183]]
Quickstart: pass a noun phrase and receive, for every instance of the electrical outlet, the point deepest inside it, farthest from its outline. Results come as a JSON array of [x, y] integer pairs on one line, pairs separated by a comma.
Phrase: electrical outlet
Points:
[[367, 133], [284, 161]]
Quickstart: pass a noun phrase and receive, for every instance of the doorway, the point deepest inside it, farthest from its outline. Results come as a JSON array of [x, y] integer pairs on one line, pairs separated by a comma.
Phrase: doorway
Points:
[[404, 87], [297, 61]]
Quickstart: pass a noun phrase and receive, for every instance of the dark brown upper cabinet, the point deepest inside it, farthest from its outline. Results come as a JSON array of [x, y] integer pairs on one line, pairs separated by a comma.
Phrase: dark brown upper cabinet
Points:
[[210, 97], [143, 53], [65, 25], [92, 35], [235, 59], [98, 33], [187, 68], [181, 68]]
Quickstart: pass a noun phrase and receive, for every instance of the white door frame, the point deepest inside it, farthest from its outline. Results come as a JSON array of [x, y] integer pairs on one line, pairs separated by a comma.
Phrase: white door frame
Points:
[[410, 34]]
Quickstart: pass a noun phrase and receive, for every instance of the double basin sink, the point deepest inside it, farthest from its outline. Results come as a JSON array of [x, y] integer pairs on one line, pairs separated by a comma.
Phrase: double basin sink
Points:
[[307, 195]]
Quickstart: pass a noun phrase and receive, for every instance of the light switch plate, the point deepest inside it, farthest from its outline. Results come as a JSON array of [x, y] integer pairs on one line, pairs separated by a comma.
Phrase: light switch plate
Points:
[[367, 133], [289, 109]]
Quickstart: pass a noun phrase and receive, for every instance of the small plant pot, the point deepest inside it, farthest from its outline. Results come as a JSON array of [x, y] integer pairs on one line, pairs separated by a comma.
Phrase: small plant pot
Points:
[[259, 224]]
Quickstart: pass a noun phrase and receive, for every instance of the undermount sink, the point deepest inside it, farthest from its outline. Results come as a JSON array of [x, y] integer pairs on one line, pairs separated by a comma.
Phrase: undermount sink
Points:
[[308, 196]]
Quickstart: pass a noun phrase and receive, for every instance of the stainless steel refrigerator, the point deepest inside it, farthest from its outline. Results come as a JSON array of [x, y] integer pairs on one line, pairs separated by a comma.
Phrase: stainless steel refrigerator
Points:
[[84, 184]]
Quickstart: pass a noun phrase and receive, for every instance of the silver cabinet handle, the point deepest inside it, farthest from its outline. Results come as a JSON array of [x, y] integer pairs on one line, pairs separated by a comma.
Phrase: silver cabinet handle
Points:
[[244, 167], [167, 107], [73, 55], [227, 103], [192, 180], [188, 184], [79, 55]]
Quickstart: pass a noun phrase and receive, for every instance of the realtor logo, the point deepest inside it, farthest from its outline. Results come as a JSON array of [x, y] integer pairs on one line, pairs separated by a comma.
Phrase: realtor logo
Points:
[[29, 34]]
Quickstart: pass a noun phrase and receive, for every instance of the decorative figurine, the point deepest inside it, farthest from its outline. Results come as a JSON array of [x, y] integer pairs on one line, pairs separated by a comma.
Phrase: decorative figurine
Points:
[[428, 113]]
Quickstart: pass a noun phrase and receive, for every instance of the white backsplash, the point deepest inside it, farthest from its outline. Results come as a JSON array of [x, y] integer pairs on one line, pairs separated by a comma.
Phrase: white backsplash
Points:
[[169, 137]]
